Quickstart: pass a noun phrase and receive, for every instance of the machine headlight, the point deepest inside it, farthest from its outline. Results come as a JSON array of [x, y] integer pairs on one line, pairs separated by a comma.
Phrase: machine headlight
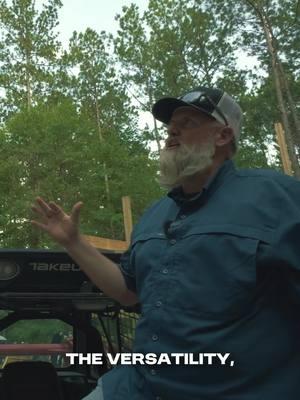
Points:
[[8, 270]]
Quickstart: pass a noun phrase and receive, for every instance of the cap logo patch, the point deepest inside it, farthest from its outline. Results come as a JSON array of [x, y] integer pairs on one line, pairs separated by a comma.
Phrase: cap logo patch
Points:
[[193, 96]]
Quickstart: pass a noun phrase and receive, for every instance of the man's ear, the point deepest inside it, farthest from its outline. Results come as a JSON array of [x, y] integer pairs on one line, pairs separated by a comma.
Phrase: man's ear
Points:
[[224, 136]]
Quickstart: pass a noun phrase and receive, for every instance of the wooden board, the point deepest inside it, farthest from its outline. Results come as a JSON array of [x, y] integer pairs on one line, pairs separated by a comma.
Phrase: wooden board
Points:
[[107, 244], [286, 162]]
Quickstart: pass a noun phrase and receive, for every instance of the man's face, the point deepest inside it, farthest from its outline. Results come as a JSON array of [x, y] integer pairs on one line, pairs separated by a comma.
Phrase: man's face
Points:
[[190, 146]]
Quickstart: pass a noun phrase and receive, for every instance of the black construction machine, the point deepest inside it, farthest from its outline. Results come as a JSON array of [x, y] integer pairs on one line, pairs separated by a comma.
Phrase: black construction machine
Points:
[[49, 308]]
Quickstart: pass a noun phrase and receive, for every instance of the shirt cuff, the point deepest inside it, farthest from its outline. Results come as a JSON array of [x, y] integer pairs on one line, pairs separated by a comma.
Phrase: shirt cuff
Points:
[[129, 279]]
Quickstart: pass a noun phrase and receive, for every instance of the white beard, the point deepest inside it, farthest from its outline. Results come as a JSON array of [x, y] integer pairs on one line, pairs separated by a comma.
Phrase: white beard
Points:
[[181, 163]]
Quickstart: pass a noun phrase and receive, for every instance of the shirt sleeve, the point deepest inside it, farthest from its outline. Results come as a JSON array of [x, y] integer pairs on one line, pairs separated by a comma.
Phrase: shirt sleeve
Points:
[[127, 270], [287, 243], [127, 265]]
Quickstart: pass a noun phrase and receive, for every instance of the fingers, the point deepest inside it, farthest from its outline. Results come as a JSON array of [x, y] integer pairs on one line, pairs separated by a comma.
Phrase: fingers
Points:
[[35, 209], [43, 207], [43, 219], [39, 225], [76, 211], [48, 210], [54, 207], [39, 211]]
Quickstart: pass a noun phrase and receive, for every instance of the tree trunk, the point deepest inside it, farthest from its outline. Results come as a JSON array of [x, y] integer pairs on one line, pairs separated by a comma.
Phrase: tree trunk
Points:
[[28, 90], [291, 104], [28, 83], [279, 91], [151, 101], [101, 141], [106, 181], [28, 60], [156, 134]]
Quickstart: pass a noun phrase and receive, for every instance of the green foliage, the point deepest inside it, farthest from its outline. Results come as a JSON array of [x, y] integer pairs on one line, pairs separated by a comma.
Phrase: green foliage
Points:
[[28, 52], [35, 331], [70, 119], [55, 152], [265, 30]]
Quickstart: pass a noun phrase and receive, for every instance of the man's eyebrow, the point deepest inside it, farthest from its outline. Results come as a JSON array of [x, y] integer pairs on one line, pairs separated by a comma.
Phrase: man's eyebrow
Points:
[[184, 118], [179, 118]]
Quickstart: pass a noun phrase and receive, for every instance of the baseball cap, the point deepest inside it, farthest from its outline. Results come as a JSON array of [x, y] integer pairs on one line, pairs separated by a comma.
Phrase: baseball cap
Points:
[[212, 101]]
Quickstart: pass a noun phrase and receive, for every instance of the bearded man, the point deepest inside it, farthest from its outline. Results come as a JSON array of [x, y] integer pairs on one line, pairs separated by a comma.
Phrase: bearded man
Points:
[[215, 265]]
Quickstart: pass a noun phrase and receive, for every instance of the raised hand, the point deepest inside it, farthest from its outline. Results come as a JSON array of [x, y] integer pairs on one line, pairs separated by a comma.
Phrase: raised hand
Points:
[[61, 227]]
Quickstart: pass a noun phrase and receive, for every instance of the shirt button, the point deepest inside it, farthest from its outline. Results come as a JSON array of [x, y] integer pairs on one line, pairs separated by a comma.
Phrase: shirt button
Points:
[[158, 303], [165, 271], [173, 241], [154, 337], [152, 372], [182, 216]]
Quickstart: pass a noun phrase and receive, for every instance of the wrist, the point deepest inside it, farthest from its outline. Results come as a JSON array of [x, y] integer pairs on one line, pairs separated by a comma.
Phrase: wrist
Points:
[[74, 242]]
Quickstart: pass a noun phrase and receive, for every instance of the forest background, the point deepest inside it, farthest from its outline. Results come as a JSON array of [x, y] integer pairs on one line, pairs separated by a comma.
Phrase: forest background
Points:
[[70, 126]]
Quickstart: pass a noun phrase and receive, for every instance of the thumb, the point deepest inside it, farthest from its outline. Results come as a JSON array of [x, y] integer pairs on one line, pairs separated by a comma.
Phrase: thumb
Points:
[[76, 211]]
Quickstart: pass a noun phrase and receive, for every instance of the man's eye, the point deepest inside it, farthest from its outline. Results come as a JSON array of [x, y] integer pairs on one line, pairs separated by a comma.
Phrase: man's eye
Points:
[[183, 123], [188, 123]]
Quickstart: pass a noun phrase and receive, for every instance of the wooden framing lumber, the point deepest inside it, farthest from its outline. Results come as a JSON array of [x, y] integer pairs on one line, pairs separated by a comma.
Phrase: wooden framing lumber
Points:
[[286, 162], [118, 246]]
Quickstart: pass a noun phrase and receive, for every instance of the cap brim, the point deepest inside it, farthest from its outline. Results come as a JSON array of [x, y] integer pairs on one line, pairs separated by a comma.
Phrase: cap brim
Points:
[[163, 109]]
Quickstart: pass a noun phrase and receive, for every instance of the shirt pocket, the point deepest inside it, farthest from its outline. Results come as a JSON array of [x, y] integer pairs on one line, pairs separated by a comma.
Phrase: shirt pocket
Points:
[[216, 270], [147, 252]]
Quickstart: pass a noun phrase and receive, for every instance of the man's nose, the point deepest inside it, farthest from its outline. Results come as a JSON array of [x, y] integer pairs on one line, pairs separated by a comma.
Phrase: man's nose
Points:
[[173, 130]]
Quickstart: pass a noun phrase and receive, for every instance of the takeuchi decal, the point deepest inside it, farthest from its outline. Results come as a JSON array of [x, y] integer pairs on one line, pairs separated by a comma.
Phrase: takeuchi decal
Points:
[[57, 267]]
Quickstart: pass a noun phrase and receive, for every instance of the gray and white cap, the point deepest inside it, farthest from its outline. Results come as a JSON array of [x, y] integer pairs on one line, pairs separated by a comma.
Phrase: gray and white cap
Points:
[[212, 101]]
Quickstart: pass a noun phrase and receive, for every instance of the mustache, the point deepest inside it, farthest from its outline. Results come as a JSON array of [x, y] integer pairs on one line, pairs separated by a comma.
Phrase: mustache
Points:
[[181, 163], [171, 142]]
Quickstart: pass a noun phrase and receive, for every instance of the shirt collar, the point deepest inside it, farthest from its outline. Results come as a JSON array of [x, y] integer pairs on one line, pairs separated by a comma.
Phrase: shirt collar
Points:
[[215, 180]]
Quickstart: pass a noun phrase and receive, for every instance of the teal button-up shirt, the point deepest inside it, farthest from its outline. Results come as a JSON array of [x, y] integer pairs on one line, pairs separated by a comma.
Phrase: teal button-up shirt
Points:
[[217, 273]]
